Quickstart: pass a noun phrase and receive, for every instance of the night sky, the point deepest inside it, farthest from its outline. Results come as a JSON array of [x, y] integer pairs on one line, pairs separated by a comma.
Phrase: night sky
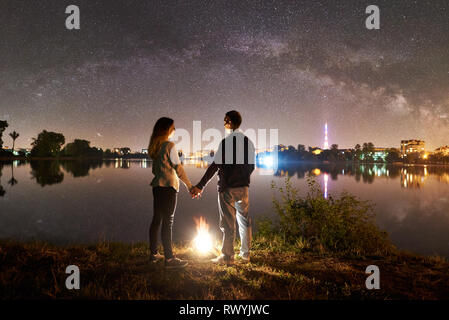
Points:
[[289, 65]]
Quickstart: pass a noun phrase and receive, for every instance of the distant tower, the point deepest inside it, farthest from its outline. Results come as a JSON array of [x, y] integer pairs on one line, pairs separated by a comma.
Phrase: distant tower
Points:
[[326, 141]]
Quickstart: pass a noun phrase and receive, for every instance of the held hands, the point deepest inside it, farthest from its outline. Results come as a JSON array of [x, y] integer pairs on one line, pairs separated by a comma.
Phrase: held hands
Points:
[[195, 192]]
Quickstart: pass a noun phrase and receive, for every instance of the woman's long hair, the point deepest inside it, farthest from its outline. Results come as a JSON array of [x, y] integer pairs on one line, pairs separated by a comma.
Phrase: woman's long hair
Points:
[[160, 134]]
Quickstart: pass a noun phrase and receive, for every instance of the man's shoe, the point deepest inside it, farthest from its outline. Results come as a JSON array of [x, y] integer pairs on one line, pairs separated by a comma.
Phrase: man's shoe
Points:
[[175, 263], [156, 257], [243, 258], [222, 259]]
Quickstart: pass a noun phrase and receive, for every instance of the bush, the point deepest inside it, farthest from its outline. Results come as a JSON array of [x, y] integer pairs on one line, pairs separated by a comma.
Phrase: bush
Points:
[[342, 224]]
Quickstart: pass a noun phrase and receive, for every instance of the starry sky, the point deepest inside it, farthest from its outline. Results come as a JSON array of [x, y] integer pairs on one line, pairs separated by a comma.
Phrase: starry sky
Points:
[[287, 65]]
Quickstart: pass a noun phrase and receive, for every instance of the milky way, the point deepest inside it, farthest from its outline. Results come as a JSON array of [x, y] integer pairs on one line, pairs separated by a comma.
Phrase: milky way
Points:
[[289, 65]]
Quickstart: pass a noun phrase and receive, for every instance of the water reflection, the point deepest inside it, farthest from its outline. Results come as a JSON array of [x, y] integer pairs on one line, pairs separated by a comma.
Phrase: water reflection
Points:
[[46, 173], [413, 177], [326, 179], [2, 191], [12, 182], [81, 168], [196, 163], [411, 201]]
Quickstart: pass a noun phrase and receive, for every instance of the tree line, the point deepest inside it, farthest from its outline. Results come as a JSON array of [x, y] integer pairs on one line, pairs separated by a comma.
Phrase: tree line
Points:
[[50, 145], [362, 153]]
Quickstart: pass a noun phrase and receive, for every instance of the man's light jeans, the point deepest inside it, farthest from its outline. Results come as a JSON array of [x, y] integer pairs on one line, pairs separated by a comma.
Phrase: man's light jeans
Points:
[[234, 203]]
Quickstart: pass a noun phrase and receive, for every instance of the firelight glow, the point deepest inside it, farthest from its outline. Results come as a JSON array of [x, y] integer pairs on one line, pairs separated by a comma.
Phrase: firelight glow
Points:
[[203, 240]]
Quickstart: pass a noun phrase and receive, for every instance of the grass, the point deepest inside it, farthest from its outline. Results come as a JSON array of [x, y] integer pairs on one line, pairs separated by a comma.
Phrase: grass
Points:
[[122, 271]]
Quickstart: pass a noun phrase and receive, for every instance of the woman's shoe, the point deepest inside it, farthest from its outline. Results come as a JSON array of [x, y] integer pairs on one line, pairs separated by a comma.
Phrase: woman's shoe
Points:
[[175, 263], [156, 257]]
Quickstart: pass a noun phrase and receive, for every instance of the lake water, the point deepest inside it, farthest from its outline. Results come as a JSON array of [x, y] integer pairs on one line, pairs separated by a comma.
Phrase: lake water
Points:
[[84, 202]]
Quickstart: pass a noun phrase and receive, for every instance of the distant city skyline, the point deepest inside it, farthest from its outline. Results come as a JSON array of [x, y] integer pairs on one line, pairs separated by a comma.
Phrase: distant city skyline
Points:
[[325, 138]]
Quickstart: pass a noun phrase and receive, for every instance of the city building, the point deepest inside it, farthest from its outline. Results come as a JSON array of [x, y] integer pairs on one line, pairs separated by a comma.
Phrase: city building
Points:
[[443, 150], [145, 151], [315, 150], [413, 146], [263, 150], [280, 148], [381, 153], [122, 151]]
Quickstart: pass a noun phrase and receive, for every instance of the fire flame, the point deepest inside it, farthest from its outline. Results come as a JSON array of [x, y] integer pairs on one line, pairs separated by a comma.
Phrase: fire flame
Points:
[[203, 239]]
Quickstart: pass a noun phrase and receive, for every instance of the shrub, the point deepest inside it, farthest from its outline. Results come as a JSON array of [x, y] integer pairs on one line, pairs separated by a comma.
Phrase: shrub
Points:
[[342, 224]]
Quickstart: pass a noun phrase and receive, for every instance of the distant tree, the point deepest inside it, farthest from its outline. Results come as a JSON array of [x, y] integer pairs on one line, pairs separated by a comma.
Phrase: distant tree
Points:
[[357, 151], [392, 156], [47, 144], [368, 147], [334, 147], [14, 135], [77, 148], [367, 151], [107, 153], [3, 126]]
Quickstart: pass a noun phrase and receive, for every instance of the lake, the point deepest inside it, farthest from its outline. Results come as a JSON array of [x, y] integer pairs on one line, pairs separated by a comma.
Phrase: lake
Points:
[[87, 201]]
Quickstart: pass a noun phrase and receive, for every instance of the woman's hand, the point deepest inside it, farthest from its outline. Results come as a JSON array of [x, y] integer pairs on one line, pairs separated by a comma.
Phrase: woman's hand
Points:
[[195, 192]]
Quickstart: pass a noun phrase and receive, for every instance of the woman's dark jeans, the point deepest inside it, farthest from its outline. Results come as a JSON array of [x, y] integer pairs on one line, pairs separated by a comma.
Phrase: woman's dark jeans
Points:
[[164, 212]]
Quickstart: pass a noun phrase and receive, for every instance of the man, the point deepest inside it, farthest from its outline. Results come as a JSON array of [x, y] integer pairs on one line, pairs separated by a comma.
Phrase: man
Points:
[[234, 162]]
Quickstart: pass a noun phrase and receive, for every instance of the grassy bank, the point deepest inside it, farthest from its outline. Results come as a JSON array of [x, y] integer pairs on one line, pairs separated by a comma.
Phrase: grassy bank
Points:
[[121, 271]]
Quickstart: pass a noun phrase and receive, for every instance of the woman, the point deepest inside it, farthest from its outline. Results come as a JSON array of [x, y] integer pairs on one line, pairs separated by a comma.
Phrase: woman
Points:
[[167, 170]]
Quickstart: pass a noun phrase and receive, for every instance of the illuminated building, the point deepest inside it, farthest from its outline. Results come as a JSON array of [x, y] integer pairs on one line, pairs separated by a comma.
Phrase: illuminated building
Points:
[[380, 154], [443, 150], [280, 148], [412, 147], [145, 151], [315, 150]]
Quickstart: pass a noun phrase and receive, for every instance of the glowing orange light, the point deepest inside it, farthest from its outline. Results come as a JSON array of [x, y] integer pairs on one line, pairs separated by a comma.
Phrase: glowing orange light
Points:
[[203, 240]]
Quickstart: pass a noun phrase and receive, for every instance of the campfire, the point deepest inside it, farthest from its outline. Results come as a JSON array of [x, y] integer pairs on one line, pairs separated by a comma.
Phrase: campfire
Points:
[[203, 241]]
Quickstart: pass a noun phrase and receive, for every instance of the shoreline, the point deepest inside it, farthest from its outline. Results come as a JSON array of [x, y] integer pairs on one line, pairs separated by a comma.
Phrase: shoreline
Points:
[[287, 164], [36, 270]]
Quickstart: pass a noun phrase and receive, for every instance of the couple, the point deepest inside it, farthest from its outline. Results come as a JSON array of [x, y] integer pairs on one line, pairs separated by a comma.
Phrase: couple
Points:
[[234, 161]]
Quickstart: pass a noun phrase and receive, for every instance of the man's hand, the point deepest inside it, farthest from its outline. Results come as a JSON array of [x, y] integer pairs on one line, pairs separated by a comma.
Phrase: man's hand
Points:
[[196, 192]]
